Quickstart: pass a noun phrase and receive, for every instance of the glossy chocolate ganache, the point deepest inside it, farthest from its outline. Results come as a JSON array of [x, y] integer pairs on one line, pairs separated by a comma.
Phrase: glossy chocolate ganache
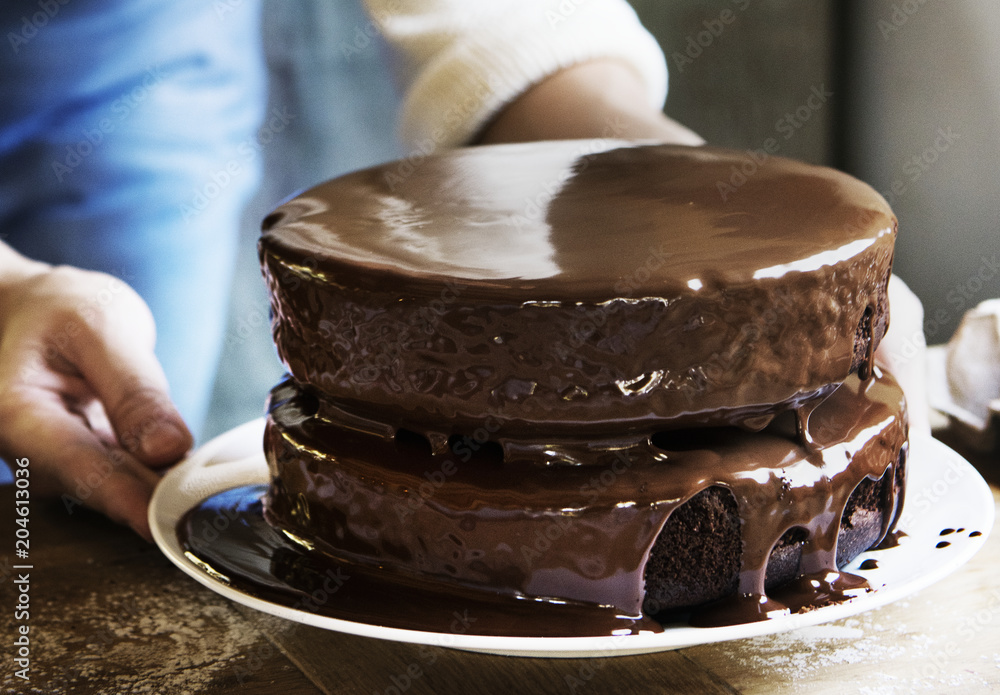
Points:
[[559, 289], [658, 526], [576, 381], [711, 527]]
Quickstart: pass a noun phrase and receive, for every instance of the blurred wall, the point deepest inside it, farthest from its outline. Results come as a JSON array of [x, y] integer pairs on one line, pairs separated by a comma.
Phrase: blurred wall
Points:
[[743, 71], [914, 110], [925, 130]]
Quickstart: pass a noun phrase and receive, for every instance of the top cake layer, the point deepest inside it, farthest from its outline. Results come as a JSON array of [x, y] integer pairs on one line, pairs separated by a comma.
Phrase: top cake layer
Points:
[[576, 283], [578, 221]]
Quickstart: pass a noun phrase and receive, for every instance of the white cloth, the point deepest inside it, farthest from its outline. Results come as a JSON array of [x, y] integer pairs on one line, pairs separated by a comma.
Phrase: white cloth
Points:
[[973, 363], [463, 60], [965, 375]]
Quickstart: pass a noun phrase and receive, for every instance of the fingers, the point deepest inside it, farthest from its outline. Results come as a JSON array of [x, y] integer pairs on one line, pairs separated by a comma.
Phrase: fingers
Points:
[[68, 458], [82, 394], [109, 482], [114, 354]]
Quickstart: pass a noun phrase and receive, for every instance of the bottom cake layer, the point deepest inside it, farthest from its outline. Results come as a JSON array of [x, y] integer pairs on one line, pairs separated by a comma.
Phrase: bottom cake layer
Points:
[[651, 525]]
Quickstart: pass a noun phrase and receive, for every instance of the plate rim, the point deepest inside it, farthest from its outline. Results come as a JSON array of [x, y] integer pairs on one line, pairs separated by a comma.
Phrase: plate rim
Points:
[[211, 468]]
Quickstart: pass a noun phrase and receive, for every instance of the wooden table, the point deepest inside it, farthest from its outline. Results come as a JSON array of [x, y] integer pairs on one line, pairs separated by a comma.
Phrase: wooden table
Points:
[[109, 614]]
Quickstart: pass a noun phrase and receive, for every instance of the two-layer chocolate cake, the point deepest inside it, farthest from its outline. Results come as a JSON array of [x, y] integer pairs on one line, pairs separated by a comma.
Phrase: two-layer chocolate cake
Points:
[[571, 373]]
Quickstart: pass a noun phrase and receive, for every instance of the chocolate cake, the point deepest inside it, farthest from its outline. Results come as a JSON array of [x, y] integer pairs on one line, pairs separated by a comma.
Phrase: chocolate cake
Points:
[[572, 372], [548, 286], [658, 521]]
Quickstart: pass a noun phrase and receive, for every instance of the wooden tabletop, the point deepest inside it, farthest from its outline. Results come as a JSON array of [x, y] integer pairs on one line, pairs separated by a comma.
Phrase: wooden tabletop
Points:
[[110, 614]]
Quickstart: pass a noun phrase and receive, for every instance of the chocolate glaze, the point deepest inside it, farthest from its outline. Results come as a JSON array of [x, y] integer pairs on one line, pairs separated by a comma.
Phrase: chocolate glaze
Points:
[[891, 540], [651, 300], [228, 535], [536, 527], [500, 366]]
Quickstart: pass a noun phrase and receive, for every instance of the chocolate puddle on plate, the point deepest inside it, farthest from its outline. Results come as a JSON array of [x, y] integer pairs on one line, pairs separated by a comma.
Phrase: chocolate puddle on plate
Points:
[[228, 538]]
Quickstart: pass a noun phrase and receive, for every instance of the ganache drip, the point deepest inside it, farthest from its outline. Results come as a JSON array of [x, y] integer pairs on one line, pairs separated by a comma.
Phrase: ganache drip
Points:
[[529, 527]]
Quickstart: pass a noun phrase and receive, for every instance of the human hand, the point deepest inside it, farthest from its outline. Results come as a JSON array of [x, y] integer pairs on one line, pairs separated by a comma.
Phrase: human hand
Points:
[[81, 394]]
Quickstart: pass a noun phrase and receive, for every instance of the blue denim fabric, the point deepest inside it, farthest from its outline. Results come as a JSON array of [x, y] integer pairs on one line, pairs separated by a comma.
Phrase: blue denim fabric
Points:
[[329, 70], [124, 132], [158, 102]]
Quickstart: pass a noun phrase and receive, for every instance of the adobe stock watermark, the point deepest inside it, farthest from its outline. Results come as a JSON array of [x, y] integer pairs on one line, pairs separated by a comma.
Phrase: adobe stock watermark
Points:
[[921, 502], [563, 11], [364, 34], [589, 321], [786, 126], [248, 151], [386, 344], [419, 495], [99, 131], [86, 312], [88, 484], [322, 590], [35, 22], [456, 115], [560, 525], [697, 43], [113, 459], [920, 163], [247, 325], [967, 293], [464, 448], [961, 296], [901, 13], [22, 579], [402, 681], [226, 7], [586, 671]]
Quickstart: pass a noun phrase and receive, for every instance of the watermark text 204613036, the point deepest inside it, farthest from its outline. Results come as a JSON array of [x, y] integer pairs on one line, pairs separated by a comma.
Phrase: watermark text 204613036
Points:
[[22, 570]]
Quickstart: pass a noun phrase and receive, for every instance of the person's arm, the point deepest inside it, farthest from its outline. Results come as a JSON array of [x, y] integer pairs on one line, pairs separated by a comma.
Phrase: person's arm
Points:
[[543, 69], [525, 70], [82, 396], [600, 98]]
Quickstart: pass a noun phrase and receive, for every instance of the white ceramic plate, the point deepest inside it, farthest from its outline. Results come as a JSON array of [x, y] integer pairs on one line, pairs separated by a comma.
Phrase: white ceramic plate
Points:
[[943, 492]]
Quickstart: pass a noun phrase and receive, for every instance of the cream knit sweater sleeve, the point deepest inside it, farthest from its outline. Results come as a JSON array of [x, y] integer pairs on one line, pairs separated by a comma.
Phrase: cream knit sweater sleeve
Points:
[[463, 60]]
